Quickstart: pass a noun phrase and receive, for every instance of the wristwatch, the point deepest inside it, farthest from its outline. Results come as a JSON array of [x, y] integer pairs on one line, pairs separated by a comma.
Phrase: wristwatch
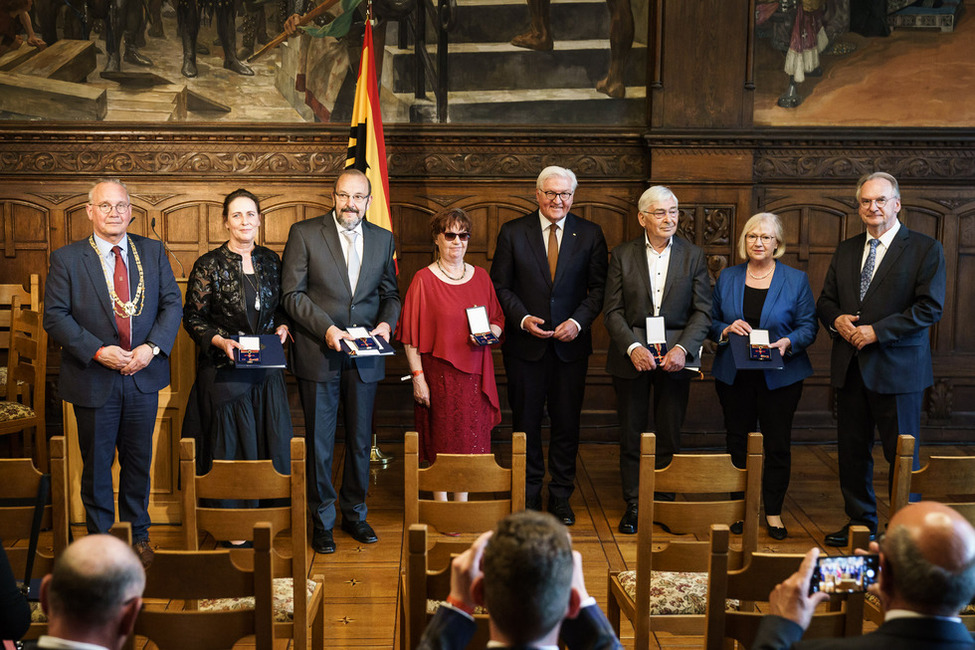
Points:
[[154, 348]]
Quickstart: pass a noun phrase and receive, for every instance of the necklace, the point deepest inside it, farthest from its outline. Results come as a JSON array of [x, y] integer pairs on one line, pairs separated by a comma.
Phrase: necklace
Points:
[[761, 277], [123, 309], [450, 277], [255, 285]]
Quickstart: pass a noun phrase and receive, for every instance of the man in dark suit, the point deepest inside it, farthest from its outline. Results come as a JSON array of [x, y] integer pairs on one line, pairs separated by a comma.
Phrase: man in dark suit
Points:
[[662, 276], [338, 272], [112, 304], [527, 576], [927, 575], [883, 290], [549, 269], [93, 596]]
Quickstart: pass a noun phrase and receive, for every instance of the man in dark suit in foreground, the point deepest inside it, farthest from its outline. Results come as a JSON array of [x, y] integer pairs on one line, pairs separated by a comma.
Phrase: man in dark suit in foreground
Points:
[[927, 575], [338, 272], [884, 289], [112, 303], [549, 269], [530, 580], [659, 275]]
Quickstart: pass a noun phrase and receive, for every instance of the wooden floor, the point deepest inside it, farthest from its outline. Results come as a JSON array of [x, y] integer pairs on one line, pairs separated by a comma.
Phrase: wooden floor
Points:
[[361, 579]]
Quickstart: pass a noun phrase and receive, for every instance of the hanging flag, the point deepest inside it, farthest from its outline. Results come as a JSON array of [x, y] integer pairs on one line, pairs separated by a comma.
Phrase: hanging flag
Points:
[[367, 148]]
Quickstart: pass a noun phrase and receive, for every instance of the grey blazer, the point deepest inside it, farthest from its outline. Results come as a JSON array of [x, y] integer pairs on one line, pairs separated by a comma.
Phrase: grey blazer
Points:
[[316, 294]]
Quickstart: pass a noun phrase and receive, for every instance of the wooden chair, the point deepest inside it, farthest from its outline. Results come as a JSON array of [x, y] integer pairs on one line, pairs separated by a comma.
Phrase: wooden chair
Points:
[[19, 490], [29, 298], [947, 479], [754, 582], [668, 588], [299, 603], [23, 405], [197, 576], [494, 492]]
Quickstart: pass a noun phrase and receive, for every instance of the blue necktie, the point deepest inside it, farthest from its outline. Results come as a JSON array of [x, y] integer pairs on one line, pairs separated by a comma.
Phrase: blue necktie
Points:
[[867, 274]]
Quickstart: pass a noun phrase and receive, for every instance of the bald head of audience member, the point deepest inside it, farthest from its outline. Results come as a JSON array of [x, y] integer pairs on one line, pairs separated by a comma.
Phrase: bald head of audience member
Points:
[[94, 593], [928, 560]]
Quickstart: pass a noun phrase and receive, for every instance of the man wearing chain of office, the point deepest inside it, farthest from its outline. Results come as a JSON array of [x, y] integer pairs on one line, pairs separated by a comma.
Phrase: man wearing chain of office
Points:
[[112, 303]]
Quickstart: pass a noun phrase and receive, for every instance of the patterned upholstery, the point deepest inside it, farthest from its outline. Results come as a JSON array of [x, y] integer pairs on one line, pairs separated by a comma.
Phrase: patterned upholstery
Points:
[[282, 596], [37, 614], [673, 592], [14, 411], [434, 605]]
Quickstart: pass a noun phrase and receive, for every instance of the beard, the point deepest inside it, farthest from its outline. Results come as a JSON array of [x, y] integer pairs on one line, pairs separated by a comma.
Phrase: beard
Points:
[[349, 217]]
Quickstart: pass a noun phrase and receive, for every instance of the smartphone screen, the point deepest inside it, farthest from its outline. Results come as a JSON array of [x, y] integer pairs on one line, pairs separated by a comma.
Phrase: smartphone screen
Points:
[[844, 574]]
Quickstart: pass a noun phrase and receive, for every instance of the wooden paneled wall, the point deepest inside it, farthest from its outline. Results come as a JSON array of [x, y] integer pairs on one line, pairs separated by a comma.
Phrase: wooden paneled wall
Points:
[[177, 179]]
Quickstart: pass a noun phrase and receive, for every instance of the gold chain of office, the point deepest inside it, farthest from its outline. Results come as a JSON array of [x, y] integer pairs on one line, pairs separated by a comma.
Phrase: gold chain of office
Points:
[[123, 309]]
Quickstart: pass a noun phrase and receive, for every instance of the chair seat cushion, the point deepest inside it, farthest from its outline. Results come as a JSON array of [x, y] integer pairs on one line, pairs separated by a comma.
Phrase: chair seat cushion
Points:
[[434, 605], [282, 593], [14, 411], [37, 614], [671, 592]]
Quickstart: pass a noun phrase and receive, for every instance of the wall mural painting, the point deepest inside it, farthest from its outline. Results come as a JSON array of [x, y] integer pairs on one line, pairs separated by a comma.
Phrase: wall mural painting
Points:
[[581, 62], [864, 63]]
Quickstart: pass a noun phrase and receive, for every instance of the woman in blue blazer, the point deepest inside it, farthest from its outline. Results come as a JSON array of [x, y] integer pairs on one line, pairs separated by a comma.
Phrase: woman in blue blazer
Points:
[[763, 294]]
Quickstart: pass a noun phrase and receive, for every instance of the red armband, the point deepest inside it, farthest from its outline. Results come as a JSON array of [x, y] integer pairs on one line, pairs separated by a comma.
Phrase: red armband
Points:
[[462, 606], [97, 352]]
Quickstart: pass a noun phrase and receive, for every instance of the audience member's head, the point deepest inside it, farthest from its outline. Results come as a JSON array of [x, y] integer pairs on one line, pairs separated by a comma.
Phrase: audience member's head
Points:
[[527, 568], [928, 560], [94, 593]]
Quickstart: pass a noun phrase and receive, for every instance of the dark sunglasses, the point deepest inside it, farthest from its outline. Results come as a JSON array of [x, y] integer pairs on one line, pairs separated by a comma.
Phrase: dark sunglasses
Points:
[[450, 236]]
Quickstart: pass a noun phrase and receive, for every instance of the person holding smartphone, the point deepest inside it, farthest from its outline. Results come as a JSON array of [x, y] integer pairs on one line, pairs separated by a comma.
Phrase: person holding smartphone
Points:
[[453, 375], [927, 575]]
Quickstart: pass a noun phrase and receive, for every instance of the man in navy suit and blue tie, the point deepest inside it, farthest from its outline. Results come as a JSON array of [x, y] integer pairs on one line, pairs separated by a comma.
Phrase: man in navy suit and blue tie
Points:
[[112, 304], [338, 272], [884, 289], [548, 271]]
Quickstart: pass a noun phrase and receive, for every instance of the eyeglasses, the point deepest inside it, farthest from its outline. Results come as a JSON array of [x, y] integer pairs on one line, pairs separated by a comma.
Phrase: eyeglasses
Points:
[[106, 208], [881, 202], [565, 196], [451, 236], [660, 214], [358, 198], [752, 238]]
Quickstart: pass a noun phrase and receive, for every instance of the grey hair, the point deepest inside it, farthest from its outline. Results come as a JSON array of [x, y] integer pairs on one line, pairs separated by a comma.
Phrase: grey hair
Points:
[[654, 195], [884, 175], [932, 588], [553, 171]]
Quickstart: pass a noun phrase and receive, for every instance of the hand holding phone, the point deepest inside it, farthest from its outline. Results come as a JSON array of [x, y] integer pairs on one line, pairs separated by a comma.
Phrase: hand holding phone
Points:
[[844, 574]]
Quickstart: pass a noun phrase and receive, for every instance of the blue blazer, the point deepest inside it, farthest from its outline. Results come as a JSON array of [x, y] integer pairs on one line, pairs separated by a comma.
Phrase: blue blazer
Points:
[[78, 315], [789, 311]]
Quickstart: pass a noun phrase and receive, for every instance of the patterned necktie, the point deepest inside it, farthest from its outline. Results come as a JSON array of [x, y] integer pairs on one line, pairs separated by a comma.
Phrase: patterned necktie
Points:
[[867, 274], [553, 248], [121, 278], [354, 262]]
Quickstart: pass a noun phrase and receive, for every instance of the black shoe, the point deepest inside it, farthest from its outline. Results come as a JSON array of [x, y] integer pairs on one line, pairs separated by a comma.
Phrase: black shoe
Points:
[[841, 537], [322, 542], [361, 531], [562, 510], [777, 532], [738, 527], [628, 523], [534, 503], [135, 57]]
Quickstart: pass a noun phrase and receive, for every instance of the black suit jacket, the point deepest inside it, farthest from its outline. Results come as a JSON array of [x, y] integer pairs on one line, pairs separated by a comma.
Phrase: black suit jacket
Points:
[[525, 287], [78, 315], [900, 634], [905, 298], [590, 630], [686, 306]]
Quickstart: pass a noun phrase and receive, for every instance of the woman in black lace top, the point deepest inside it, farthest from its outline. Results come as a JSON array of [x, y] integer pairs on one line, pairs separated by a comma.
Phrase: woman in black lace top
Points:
[[236, 413]]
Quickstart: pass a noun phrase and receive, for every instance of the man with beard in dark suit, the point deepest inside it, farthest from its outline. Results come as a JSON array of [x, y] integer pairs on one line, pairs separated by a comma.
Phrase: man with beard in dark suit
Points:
[[884, 289], [927, 575], [549, 269], [663, 276]]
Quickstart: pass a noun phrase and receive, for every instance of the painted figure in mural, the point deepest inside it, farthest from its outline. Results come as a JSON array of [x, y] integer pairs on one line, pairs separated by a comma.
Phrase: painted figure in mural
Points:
[[190, 13], [539, 37], [14, 19]]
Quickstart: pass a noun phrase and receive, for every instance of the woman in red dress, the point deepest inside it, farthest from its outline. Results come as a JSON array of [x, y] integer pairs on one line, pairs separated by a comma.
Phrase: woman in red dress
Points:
[[453, 377]]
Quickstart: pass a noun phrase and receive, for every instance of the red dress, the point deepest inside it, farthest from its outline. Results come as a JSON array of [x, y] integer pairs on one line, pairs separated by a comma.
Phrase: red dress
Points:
[[464, 404]]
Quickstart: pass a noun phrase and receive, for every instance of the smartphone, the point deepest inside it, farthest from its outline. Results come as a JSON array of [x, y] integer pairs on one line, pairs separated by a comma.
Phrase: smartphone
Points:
[[844, 574]]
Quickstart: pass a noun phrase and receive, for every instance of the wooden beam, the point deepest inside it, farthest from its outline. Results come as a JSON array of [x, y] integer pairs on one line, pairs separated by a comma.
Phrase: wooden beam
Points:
[[50, 98], [13, 58], [66, 60]]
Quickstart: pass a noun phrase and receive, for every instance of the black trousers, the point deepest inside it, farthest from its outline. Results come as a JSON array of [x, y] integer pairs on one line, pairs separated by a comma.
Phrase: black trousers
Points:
[[859, 411], [749, 405], [561, 385], [634, 404]]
